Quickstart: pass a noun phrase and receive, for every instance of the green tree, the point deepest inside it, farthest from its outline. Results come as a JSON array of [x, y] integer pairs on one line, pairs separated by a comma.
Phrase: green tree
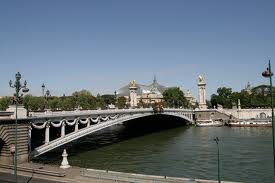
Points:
[[100, 102], [223, 98], [32, 103], [54, 103], [174, 97], [121, 102], [257, 97], [108, 99], [84, 99], [26, 101], [224, 92], [4, 103], [67, 103]]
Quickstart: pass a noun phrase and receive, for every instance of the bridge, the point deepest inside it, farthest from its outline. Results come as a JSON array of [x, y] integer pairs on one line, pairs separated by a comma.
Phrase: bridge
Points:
[[83, 123]]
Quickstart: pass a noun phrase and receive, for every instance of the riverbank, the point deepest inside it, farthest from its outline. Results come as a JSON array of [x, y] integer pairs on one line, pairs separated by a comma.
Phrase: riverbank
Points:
[[50, 173], [32, 172]]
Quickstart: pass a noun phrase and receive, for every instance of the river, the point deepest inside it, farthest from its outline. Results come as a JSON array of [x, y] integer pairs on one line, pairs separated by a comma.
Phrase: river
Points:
[[182, 151]]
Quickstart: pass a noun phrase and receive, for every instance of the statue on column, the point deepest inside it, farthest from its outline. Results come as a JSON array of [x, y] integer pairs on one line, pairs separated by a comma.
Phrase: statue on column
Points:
[[133, 84], [202, 93], [201, 79], [133, 93], [13, 100]]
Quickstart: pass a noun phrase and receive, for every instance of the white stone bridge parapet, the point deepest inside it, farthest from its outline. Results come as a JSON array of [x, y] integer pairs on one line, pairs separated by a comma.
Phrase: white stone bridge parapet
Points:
[[92, 121]]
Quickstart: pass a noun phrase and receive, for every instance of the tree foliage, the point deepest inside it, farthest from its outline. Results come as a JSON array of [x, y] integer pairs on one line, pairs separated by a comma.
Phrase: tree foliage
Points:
[[83, 99], [34, 103], [223, 98], [121, 102], [4, 103], [108, 99], [258, 97], [174, 97], [78, 100]]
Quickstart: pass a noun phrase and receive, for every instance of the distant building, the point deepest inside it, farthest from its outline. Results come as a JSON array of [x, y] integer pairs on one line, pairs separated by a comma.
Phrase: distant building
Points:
[[248, 88], [190, 98], [147, 94], [260, 89]]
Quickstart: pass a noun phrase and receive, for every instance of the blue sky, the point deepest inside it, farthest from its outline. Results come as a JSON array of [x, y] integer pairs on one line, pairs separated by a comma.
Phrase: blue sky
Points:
[[103, 45]]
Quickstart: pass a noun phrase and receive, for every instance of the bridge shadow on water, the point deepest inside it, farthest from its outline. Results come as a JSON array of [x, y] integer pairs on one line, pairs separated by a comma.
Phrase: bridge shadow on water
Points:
[[111, 135]]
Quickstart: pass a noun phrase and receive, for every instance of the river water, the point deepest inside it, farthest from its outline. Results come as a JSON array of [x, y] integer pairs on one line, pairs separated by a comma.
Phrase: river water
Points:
[[181, 151]]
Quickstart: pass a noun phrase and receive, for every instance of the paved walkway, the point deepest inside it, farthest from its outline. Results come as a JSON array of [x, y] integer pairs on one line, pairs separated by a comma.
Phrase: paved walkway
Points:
[[40, 173], [43, 172], [9, 178]]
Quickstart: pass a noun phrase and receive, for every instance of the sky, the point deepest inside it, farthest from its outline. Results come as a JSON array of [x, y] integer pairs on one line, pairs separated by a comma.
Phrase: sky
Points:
[[102, 45]]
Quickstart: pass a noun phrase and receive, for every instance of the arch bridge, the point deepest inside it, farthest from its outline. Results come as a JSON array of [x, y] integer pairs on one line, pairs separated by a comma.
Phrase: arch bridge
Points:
[[83, 123]]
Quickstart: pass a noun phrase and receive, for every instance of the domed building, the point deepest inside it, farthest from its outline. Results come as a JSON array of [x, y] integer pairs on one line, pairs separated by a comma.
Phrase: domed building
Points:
[[148, 94]]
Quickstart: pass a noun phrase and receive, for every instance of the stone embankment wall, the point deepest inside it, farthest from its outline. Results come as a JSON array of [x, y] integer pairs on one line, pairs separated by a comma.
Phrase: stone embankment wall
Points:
[[233, 114], [211, 114], [248, 113], [7, 137]]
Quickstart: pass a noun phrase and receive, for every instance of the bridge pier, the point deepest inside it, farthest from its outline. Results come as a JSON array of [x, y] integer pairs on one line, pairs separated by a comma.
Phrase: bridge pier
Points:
[[7, 137]]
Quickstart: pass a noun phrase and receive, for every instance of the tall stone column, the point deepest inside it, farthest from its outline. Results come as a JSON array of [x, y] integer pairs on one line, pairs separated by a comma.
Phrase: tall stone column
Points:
[[133, 94], [202, 94]]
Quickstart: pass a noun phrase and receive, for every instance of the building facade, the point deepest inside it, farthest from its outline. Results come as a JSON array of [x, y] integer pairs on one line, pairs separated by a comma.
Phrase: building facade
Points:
[[138, 94]]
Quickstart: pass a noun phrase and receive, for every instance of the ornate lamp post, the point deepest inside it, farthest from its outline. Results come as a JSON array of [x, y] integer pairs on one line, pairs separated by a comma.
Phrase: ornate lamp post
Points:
[[18, 86], [217, 142], [115, 97], [48, 94], [268, 74], [43, 89]]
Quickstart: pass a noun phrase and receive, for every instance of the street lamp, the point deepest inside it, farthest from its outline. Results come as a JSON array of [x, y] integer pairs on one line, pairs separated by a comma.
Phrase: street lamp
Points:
[[47, 93], [47, 96], [115, 97], [18, 86], [43, 89], [217, 142], [268, 74]]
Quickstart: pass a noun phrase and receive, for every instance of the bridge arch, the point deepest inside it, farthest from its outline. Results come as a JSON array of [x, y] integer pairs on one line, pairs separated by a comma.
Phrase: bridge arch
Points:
[[78, 133], [81, 133]]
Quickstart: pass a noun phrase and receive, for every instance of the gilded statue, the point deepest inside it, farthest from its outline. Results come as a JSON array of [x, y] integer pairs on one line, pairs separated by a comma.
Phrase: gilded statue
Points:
[[201, 79], [133, 83]]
